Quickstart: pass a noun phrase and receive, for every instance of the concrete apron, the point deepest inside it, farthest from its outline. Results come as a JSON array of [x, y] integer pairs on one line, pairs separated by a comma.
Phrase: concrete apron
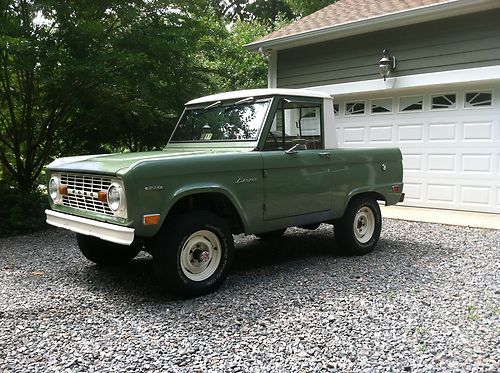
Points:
[[450, 217]]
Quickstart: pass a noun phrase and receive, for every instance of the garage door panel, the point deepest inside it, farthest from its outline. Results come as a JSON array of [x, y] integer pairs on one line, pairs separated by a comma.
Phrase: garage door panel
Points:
[[412, 132], [441, 193], [480, 131], [413, 192], [442, 162], [476, 163], [354, 135], [439, 132], [413, 162], [381, 134], [476, 195]]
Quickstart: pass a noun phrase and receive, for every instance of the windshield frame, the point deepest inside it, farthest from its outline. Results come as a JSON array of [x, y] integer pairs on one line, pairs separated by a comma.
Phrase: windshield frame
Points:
[[268, 99]]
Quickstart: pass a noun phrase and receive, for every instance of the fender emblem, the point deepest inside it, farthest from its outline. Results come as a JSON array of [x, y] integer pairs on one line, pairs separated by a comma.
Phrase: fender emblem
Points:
[[150, 188], [242, 180]]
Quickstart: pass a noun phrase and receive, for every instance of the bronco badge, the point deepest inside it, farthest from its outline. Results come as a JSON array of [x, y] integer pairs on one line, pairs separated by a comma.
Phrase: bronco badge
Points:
[[242, 180]]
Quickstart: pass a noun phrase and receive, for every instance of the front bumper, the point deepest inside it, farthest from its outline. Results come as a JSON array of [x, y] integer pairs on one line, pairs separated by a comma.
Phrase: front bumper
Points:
[[105, 231]]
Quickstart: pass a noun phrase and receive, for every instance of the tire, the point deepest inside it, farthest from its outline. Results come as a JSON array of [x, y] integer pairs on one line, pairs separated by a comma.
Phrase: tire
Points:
[[358, 231], [193, 254], [106, 253], [271, 236]]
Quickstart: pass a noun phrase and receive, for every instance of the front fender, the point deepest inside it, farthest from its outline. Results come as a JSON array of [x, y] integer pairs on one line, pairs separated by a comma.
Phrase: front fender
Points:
[[169, 200]]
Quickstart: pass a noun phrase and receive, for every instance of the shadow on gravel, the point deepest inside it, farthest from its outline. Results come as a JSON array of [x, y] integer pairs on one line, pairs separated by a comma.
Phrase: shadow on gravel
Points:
[[255, 253], [255, 260]]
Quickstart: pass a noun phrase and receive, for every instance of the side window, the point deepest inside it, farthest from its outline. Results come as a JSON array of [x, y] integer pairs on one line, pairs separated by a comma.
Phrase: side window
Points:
[[296, 121]]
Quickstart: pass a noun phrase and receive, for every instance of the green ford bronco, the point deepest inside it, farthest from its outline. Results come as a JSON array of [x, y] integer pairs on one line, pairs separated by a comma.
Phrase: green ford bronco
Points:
[[252, 162]]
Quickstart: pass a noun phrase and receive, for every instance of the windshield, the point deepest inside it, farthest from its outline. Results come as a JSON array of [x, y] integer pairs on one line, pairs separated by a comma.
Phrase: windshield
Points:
[[222, 122]]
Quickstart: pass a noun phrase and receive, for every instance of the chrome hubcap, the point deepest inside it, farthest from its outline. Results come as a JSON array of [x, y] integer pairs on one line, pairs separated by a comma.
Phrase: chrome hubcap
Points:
[[200, 255], [364, 224]]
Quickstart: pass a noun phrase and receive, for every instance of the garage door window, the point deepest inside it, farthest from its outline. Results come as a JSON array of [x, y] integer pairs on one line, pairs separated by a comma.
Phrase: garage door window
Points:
[[355, 108], [444, 102], [411, 103], [382, 106], [336, 109], [478, 99]]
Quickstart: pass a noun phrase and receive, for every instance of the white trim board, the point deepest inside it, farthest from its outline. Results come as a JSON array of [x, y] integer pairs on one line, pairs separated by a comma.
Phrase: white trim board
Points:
[[479, 74]]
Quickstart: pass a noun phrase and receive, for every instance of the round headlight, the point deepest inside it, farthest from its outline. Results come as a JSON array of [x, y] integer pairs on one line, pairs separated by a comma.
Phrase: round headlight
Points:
[[114, 197], [54, 187]]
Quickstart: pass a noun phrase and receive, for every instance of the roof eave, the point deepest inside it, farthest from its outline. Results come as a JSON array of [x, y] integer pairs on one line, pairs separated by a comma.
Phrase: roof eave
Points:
[[427, 13]]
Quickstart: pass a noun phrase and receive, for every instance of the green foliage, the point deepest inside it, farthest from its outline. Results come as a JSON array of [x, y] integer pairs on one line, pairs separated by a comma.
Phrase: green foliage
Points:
[[302, 8], [21, 213]]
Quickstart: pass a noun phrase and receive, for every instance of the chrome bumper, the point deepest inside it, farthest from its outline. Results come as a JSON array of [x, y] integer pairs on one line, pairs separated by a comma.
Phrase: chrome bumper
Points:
[[105, 231]]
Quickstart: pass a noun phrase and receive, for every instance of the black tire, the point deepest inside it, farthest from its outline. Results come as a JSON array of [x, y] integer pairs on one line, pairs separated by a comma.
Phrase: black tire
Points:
[[192, 254], [358, 231], [271, 236], [106, 253]]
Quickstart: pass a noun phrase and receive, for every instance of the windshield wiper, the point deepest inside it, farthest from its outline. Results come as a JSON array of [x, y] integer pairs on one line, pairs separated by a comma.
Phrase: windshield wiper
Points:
[[217, 103]]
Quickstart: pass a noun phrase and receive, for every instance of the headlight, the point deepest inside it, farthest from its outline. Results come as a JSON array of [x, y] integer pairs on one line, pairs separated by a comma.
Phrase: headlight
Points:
[[54, 188], [115, 197]]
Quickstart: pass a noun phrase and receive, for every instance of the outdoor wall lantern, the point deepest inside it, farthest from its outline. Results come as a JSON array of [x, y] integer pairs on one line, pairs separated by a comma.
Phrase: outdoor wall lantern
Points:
[[266, 53], [386, 64]]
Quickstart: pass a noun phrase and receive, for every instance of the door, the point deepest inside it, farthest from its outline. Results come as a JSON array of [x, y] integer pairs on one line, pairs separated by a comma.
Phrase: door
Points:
[[297, 169]]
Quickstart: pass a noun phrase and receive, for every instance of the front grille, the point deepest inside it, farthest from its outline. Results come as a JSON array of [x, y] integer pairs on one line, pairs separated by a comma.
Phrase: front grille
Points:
[[83, 192]]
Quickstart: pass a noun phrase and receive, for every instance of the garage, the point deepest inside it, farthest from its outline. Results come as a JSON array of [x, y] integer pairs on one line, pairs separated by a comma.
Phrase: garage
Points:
[[449, 137]]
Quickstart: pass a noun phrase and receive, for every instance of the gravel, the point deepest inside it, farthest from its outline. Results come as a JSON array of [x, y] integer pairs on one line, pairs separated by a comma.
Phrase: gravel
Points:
[[427, 299]]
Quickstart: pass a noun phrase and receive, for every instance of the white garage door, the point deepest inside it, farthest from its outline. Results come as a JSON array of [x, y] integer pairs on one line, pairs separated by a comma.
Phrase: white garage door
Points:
[[450, 139]]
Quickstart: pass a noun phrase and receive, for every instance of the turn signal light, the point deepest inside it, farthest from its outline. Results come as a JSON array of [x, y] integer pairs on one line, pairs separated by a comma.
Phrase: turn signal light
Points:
[[152, 219], [102, 196], [63, 190]]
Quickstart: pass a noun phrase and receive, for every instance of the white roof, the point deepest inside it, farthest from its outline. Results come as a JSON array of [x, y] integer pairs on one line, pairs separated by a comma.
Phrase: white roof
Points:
[[258, 92]]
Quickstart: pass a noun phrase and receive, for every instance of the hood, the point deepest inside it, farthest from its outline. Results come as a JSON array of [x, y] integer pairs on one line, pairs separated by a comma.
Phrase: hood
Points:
[[120, 163]]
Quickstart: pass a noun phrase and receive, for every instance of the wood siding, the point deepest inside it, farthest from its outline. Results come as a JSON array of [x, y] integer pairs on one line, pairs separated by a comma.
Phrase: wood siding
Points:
[[456, 43]]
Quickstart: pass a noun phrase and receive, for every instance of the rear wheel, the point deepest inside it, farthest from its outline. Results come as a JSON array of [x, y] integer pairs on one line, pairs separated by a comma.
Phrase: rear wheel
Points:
[[192, 255], [359, 229], [106, 253]]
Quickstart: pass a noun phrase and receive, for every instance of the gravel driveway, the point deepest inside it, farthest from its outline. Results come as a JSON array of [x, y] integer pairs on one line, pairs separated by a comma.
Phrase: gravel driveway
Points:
[[426, 300]]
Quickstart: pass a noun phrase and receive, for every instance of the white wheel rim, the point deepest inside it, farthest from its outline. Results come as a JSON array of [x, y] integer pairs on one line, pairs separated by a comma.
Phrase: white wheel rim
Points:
[[364, 224], [200, 255]]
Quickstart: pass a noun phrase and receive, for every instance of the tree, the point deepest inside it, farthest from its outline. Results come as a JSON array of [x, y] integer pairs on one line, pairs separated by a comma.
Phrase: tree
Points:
[[302, 8], [62, 62], [265, 12]]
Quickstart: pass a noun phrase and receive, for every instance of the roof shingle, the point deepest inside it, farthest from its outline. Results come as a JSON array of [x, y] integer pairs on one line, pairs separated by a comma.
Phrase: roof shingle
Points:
[[348, 11]]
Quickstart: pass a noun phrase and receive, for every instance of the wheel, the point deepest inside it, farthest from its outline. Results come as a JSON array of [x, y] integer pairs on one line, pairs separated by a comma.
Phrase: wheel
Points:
[[359, 229], [270, 236], [193, 253], [106, 253]]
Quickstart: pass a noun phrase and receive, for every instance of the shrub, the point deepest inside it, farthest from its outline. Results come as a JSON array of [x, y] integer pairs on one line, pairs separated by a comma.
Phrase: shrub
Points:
[[21, 213]]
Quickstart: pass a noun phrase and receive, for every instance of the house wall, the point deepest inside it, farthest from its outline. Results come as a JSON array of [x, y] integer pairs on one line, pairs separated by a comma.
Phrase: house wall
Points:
[[452, 44]]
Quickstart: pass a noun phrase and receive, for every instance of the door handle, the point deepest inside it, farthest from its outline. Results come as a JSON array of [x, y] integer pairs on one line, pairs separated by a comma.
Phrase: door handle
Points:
[[325, 154]]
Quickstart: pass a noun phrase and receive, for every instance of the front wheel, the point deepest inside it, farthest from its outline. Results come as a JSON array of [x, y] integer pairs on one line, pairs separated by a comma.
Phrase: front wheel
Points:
[[359, 229], [106, 253], [192, 254]]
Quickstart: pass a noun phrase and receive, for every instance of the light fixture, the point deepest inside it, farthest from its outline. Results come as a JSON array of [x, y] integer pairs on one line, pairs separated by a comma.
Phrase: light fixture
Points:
[[386, 64], [266, 53]]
